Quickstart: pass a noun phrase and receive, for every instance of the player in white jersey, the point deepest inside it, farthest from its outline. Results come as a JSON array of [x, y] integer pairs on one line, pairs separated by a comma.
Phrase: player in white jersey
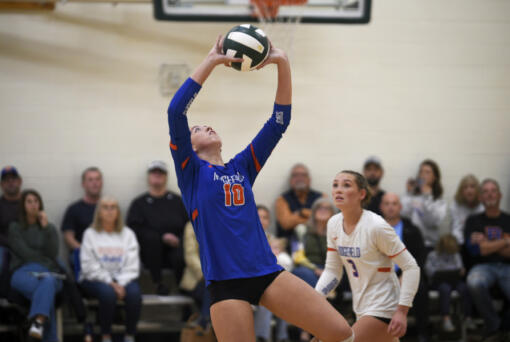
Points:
[[366, 245]]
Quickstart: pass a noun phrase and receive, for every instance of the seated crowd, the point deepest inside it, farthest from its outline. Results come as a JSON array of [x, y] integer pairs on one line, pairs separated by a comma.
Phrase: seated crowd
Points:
[[105, 255]]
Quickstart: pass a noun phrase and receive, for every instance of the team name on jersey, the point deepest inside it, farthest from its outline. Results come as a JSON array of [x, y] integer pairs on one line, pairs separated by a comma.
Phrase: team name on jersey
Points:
[[237, 178], [350, 252], [185, 112]]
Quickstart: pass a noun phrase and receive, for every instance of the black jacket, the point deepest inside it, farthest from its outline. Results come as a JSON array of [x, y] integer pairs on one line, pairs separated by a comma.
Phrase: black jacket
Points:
[[412, 238]]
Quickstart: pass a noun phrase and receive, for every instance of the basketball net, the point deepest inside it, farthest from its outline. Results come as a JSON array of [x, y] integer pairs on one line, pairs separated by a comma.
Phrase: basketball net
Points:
[[280, 31]]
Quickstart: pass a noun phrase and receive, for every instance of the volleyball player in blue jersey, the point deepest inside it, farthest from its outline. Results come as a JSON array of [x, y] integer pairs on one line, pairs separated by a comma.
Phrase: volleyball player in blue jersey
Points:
[[237, 262]]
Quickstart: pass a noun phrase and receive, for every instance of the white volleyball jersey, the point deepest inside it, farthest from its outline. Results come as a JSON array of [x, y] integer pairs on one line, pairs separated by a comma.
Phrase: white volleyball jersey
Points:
[[366, 256]]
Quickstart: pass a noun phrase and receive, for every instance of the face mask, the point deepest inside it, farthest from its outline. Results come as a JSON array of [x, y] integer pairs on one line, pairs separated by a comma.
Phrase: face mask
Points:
[[373, 181]]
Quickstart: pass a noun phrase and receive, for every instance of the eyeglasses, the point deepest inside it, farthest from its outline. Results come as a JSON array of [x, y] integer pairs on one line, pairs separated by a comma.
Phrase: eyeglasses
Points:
[[109, 206], [299, 174]]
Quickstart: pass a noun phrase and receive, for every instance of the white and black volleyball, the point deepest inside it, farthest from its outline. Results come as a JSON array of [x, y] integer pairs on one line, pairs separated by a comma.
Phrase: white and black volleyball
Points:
[[248, 42]]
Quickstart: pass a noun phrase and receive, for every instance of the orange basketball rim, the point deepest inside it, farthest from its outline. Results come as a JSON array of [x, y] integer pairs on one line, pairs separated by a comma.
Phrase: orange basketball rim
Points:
[[269, 8]]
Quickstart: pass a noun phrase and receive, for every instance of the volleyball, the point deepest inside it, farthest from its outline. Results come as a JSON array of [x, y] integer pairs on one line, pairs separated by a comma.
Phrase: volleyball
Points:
[[248, 42]]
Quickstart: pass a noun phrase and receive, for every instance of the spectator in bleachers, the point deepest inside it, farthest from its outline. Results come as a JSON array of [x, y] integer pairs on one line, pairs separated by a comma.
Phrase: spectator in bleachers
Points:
[[278, 245], [423, 203], [193, 282], [445, 270], [34, 243], [265, 219], [487, 238], [79, 215], [9, 212], [413, 240], [293, 206], [465, 204], [158, 218], [110, 266], [9, 201], [373, 172], [311, 258], [262, 316]]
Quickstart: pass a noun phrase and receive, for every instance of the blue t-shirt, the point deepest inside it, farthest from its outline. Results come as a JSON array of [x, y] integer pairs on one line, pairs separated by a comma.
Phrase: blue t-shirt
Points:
[[399, 229], [219, 199]]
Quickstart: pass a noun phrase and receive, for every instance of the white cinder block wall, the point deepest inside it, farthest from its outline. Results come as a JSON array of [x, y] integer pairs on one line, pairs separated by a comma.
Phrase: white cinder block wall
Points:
[[426, 79]]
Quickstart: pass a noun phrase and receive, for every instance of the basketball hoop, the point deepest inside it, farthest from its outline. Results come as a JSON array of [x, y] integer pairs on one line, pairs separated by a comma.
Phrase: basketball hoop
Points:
[[279, 19], [269, 8]]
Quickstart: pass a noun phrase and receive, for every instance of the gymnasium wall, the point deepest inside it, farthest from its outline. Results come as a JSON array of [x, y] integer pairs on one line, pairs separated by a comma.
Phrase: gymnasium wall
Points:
[[426, 79]]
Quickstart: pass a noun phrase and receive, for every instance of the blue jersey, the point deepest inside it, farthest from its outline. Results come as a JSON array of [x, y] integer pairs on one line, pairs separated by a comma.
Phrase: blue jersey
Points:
[[219, 199]]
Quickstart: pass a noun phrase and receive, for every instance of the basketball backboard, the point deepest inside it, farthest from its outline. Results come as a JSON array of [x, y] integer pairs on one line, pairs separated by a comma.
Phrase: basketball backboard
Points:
[[304, 11]]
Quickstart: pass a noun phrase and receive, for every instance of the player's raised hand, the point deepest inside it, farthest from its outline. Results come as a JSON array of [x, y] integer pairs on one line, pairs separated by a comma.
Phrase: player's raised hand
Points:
[[275, 56], [216, 55], [398, 324], [214, 58]]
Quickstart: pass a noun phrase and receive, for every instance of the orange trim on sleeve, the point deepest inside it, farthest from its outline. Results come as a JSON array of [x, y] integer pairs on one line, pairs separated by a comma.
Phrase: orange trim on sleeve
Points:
[[184, 163], [172, 146], [194, 215], [331, 249], [257, 164], [392, 256], [384, 269]]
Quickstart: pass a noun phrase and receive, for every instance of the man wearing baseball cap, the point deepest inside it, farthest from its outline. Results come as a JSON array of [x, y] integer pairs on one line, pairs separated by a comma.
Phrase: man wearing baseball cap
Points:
[[373, 172], [9, 212], [158, 218], [10, 200]]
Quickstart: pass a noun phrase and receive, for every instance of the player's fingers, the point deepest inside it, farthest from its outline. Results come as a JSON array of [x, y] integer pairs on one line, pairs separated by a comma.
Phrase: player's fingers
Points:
[[266, 62], [219, 43], [230, 60], [403, 330], [270, 43], [221, 40], [392, 327], [397, 330]]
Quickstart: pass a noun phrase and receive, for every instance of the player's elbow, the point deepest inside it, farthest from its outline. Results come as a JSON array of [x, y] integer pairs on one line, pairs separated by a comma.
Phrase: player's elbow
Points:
[[411, 265]]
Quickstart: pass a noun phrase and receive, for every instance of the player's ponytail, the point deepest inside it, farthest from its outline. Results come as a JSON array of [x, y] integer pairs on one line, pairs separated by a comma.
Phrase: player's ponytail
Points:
[[362, 183]]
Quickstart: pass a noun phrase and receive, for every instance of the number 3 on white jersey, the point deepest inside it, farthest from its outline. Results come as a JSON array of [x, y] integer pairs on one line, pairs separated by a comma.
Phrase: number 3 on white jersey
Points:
[[233, 193], [354, 269]]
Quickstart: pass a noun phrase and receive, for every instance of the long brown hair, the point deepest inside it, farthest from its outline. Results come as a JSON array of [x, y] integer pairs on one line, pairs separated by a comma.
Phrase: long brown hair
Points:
[[362, 184], [23, 211], [437, 187]]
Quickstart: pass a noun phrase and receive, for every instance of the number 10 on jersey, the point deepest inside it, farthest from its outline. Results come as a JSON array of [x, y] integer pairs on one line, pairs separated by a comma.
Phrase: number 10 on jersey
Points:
[[234, 193]]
